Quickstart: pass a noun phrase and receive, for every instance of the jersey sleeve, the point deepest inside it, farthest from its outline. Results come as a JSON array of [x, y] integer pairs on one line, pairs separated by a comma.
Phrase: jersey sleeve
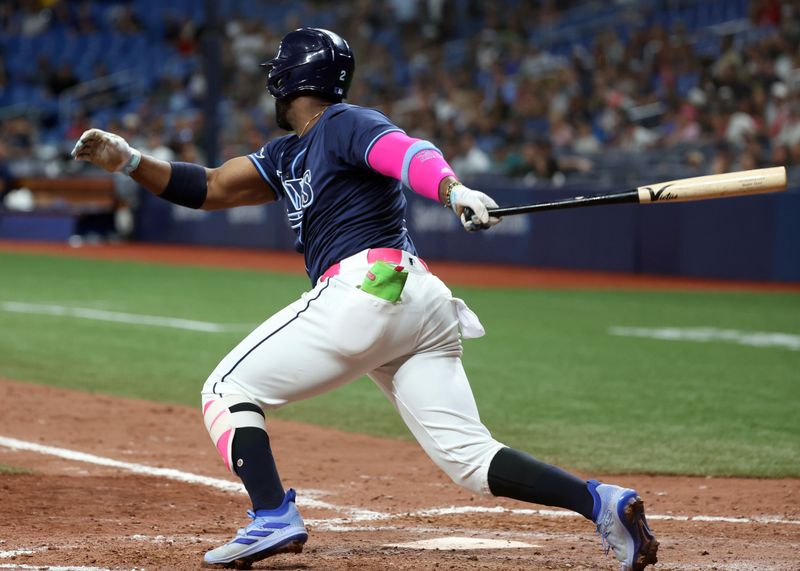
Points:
[[359, 129], [266, 162]]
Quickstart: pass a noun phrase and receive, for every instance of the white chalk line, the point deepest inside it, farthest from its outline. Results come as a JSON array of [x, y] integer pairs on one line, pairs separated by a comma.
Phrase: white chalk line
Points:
[[121, 317], [51, 567], [172, 474], [708, 334], [28, 552], [354, 515], [462, 543], [15, 553]]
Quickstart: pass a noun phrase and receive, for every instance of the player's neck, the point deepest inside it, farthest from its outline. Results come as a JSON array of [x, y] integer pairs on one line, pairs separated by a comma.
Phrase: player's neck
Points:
[[308, 112]]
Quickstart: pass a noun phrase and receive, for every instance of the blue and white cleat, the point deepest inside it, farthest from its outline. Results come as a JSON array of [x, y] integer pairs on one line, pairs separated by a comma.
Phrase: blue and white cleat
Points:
[[619, 516], [280, 530]]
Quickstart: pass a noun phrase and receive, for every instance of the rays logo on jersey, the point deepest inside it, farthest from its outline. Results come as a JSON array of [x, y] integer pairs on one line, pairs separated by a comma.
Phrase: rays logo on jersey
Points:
[[300, 195]]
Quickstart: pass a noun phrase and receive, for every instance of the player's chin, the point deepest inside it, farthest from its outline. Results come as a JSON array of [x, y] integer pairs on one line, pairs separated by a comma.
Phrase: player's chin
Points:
[[282, 114]]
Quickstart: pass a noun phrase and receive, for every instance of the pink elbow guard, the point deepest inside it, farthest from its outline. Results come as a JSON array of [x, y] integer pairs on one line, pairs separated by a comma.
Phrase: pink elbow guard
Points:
[[417, 163]]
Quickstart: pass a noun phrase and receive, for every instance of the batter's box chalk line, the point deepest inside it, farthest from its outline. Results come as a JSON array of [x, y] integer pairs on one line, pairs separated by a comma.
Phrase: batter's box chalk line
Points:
[[462, 543], [352, 513], [17, 553], [26, 552]]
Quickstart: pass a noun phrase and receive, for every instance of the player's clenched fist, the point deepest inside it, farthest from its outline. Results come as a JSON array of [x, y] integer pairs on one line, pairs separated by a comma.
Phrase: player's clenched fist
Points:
[[106, 150], [465, 200]]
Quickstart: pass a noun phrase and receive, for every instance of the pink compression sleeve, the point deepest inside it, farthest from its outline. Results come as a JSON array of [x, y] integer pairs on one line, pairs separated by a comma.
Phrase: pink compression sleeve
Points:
[[417, 163]]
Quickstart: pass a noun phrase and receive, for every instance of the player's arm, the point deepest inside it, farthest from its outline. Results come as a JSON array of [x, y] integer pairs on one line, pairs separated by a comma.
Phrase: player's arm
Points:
[[423, 168], [235, 183]]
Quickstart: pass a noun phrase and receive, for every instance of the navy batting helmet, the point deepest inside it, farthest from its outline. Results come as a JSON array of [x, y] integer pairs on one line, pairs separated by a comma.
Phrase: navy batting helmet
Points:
[[311, 59]]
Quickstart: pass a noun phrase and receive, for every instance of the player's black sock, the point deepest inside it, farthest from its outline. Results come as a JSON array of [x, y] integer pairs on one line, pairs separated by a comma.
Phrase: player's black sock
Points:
[[254, 464], [517, 475]]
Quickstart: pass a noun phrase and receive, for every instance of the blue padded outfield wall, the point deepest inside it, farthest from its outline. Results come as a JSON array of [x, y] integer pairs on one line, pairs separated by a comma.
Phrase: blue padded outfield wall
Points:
[[749, 238]]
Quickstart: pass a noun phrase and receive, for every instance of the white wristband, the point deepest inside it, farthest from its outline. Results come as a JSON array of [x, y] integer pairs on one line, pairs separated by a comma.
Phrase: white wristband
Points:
[[133, 162]]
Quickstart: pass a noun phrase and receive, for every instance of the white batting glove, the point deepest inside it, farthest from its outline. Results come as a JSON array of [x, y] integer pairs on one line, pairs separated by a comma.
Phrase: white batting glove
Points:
[[106, 150], [478, 203]]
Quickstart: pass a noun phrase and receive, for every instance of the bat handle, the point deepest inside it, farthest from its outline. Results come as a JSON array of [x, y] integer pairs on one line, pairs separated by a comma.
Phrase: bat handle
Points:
[[468, 213]]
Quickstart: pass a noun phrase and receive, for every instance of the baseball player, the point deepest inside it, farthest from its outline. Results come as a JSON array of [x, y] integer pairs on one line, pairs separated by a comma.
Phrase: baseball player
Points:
[[374, 307]]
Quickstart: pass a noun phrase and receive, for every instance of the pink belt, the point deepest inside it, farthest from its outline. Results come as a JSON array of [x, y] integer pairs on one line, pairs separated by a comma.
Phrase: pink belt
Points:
[[390, 255]]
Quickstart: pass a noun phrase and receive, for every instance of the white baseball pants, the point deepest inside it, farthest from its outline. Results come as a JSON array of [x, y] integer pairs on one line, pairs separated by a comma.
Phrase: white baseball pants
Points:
[[336, 333]]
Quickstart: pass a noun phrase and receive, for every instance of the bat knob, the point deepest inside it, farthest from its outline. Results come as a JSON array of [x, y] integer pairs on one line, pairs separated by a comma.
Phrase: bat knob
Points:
[[468, 214]]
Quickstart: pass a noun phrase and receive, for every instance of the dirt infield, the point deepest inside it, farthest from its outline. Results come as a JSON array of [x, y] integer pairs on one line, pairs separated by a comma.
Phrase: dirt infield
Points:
[[359, 495], [110, 483]]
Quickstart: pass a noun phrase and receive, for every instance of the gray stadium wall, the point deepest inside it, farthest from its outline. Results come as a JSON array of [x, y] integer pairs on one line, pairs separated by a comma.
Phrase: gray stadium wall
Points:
[[747, 238]]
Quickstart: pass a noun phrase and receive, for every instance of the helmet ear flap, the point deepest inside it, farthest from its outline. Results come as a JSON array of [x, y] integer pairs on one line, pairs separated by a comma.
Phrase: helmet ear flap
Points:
[[277, 83]]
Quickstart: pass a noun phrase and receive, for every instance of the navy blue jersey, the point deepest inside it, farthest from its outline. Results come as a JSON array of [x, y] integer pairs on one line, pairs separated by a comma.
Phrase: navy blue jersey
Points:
[[337, 205]]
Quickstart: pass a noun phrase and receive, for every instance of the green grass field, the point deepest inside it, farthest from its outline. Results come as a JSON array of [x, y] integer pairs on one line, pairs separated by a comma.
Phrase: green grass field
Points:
[[6, 469], [548, 377]]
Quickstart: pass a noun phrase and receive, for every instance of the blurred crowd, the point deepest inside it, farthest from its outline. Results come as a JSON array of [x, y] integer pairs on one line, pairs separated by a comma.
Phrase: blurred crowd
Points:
[[499, 86]]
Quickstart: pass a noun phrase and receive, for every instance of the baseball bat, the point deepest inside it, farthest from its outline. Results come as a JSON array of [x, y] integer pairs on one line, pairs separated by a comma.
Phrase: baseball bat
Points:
[[740, 183]]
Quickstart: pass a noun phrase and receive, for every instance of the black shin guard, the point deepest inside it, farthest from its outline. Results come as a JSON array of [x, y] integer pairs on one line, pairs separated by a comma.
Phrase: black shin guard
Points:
[[517, 475], [254, 464]]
